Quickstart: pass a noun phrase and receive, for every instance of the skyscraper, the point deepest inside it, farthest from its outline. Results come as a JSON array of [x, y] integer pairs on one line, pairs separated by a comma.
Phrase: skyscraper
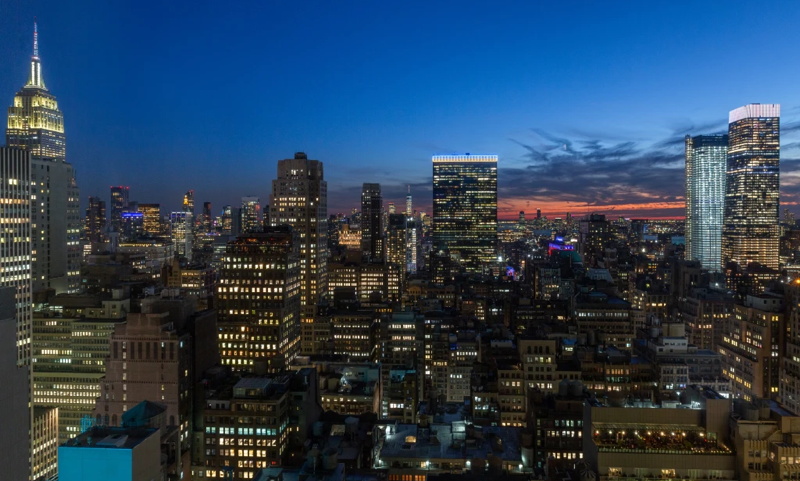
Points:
[[371, 222], [706, 161], [251, 215], [258, 297], [119, 204], [751, 220], [35, 124], [300, 199], [34, 121], [397, 241], [95, 221], [15, 310], [151, 218], [465, 207]]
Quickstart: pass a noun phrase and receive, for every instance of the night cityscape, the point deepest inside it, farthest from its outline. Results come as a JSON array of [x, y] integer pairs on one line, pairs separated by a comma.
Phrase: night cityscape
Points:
[[424, 241]]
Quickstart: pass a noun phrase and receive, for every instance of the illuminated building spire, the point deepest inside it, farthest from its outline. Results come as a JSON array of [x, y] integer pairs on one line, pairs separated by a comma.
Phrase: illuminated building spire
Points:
[[36, 79]]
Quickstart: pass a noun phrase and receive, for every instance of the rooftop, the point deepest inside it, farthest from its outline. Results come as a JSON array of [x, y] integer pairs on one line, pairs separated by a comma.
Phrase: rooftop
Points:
[[110, 437], [456, 440]]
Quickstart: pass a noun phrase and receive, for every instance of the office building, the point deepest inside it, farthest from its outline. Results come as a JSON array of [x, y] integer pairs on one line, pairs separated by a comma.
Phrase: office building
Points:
[[397, 240], [300, 199], [226, 220], [180, 227], [151, 360], [371, 223], [751, 230], [15, 261], [151, 219], [44, 443], [119, 204], [95, 221], [15, 444], [465, 208], [269, 416], [208, 219], [706, 163], [258, 300], [70, 348], [250, 215], [751, 345]]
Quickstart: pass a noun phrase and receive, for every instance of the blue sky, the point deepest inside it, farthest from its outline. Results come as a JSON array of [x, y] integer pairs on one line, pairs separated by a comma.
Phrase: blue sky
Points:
[[586, 103]]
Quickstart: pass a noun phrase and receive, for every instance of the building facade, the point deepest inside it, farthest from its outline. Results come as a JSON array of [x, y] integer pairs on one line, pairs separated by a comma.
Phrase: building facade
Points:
[[258, 298], [465, 207], [300, 199], [706, 162], [372, 223], [751, 230]]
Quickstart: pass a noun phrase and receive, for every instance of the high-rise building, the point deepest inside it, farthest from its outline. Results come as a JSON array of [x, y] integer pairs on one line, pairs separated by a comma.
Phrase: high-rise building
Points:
[[95, 221], [371, 222], [119, 204], [15, 234], [465, 207], [226, 223], [251, 215], [412, 226], [36, 124], [208, 219], [151, 219], [34, 121], [751, 231], [181, 233], [15, 444], [300, 199], [258, 297], [397, 240], [70, 347], [706, 161]]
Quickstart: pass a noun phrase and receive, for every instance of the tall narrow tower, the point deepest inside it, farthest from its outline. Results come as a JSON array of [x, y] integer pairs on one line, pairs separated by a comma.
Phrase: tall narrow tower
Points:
[[706, 160], [35, 124], [371, 222], [465, 207], [752, 197], [300, 199]]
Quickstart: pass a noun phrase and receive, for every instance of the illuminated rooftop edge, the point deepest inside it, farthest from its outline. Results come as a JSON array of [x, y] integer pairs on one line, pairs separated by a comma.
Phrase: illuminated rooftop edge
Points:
[[754, 111], [465, 158]]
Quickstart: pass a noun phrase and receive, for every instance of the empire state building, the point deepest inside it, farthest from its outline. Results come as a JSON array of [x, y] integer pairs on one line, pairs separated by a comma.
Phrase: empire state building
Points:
[[36, 124], [34, 121]]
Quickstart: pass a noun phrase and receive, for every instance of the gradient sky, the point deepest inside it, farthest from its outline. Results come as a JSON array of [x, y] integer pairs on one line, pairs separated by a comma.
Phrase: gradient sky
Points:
[[586, 103]]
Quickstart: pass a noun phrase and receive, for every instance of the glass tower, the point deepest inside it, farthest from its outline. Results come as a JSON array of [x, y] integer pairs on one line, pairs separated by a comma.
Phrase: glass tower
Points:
[[706, 160], [465, 207], [752, 198]]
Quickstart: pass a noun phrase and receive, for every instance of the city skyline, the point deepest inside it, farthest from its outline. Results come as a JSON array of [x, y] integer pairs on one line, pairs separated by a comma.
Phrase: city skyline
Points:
[[605, 98]]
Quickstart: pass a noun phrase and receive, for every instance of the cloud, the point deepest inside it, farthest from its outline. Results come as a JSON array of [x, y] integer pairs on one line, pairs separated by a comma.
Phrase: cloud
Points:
[[595, 172]]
